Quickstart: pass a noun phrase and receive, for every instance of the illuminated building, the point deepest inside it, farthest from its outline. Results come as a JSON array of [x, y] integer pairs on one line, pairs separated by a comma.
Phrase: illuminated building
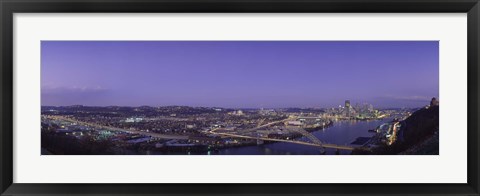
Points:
[[347, 104]]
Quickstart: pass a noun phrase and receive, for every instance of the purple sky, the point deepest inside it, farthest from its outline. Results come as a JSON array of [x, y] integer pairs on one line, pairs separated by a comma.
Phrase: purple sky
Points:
[[239, 73]]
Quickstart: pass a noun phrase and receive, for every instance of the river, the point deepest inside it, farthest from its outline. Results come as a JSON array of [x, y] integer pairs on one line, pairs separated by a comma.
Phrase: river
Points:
[[342, 133]]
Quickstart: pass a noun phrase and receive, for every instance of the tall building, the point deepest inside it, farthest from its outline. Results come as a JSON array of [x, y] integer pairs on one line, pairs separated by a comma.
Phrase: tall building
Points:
[[349, 111]]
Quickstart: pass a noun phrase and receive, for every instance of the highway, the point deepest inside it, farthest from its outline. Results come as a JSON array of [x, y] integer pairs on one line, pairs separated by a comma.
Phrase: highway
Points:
[[269, 124], [289, 141], [183, 137], [393, 138], [301, 131], [155, 135]]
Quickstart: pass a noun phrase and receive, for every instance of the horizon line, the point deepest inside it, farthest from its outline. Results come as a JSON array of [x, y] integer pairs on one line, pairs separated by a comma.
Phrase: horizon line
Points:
[[216, 107]]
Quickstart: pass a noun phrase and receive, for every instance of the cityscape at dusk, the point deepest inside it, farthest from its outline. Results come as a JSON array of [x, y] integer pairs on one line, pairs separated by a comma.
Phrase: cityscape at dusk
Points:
[[240, 97]]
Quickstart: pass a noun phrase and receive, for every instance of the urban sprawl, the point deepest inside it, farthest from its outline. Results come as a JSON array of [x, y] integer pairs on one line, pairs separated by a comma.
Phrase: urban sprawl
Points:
[[201, 130]]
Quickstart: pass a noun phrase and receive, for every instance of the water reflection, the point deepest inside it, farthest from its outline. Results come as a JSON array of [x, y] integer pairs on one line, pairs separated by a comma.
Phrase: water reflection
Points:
[[342, 133]]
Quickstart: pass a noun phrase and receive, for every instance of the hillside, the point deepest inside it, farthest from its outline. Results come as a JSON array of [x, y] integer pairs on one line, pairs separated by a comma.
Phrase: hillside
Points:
[[419, 134]]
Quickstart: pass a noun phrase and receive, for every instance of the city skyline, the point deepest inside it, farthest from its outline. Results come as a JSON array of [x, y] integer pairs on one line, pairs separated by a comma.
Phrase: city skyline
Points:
[[239, 74], [235, 108]]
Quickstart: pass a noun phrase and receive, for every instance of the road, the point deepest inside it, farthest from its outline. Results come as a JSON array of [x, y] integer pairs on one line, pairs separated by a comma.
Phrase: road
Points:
[[164, 136], [269, 124], [393, 138], [289, 141], [155, 135]]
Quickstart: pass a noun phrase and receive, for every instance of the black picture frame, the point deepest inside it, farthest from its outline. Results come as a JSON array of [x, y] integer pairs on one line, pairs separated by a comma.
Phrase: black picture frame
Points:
[[9, 7]]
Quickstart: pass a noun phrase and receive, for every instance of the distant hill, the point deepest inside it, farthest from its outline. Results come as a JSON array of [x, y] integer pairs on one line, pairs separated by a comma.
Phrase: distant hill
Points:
[[125, 111]]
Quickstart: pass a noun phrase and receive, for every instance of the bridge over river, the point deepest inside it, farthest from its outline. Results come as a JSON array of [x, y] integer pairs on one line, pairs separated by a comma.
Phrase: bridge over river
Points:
[[322, 145], [315, 141]]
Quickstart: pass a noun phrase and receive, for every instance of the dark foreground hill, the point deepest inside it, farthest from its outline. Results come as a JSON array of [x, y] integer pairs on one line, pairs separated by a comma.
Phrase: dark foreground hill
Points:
[[419, 134]]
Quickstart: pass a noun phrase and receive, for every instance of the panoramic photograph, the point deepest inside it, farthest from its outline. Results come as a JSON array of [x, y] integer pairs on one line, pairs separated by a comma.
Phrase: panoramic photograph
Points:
[[239, 98]]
